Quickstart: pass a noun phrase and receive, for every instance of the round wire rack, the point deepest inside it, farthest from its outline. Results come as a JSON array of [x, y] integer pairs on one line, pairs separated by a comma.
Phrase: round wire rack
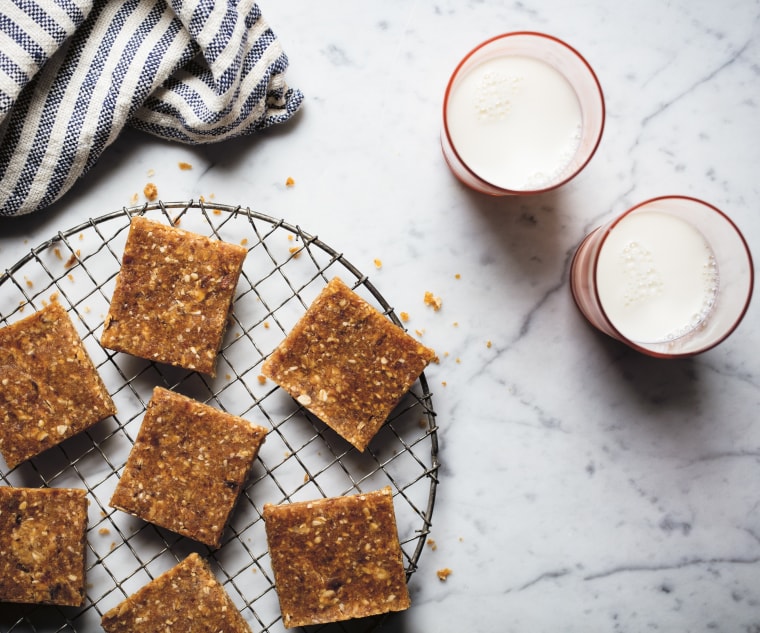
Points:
[[301, 458]]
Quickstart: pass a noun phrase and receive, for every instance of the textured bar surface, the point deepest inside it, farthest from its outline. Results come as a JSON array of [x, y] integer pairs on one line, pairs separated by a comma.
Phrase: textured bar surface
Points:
[[42, 545], [187, 466], [347, 363], [188, 599], [172, 296], [49, 387], [336, 558]]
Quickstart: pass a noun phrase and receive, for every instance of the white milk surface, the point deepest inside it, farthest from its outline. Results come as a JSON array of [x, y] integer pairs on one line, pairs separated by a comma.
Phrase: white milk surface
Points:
[[656, 277], [515, 121]]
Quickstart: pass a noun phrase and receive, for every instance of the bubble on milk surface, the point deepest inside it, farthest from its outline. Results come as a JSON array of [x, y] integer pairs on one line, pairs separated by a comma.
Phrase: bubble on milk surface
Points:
[[492, 99]]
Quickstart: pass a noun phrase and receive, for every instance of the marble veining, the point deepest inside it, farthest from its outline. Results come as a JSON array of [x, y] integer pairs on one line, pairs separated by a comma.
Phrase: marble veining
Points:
[[583, 487]]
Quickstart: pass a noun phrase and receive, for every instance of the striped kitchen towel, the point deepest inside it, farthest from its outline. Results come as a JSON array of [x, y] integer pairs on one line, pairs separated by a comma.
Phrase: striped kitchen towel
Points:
[[73, 73]]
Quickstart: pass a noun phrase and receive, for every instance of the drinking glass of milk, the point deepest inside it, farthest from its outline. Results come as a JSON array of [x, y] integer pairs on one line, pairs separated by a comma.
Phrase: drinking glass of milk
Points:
[[523, 113], [671, 277]]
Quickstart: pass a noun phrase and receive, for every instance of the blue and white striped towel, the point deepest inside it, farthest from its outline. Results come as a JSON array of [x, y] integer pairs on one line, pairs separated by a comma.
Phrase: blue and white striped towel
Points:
[[73, 73]]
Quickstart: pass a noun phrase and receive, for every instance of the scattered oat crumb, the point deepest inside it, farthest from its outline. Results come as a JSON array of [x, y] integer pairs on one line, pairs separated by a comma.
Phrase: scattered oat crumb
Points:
[[378, 263], [456, 324], [488, 344], [404, 317], [266, 325], [290, 237], [289, 182], [73, 259], [444, 383], [70, 277], [150, 191], [176, 221], [216, 211], [28, 282], [306, 478], [135, 197], [419, 332], [458, 361], [81, 236], [457, 276], [262, 379], [244, 242], [432, 544], [433, 301], [57, 252], [443, 574], [54, 296], [294, 250], [104, 531], [113, 545], [254, 570], [151, 173], [184, 166], [422, 423]]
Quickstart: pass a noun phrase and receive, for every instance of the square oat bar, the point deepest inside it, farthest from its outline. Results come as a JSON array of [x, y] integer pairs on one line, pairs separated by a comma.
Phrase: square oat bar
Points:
[[335, 559], [347, 363], [172, 296], [188, 599], [42, 545], [49, 387], [187, 466]]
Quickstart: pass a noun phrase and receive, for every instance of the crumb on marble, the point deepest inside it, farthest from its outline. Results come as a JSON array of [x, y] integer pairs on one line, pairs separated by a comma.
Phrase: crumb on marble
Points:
[[432, 301], [150, 191], [404, 316], [184, 166], [289, 182], [432, 544], [443, 574], [378, 263]]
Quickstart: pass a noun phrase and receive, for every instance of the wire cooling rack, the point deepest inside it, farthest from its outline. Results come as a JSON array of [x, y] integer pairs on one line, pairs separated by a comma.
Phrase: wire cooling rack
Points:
[[301, 459]]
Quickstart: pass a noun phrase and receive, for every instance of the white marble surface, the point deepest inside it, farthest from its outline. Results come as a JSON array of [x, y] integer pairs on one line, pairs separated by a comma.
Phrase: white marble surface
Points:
[[583, 487]]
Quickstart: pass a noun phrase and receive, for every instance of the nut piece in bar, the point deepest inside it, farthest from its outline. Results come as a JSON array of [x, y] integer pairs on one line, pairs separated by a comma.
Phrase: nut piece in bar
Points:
[[187, 598], [49, 387], [173, 296], [347, 363], [42, 545], [187, 467], [337, 558]]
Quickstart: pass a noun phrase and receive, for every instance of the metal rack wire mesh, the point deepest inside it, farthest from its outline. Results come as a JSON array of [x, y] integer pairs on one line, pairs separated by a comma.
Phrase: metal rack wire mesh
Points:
[[301, 459]]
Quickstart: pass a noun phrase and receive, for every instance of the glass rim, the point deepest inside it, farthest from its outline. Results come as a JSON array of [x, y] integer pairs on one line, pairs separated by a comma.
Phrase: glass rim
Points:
[[554, 40], [607, 229]]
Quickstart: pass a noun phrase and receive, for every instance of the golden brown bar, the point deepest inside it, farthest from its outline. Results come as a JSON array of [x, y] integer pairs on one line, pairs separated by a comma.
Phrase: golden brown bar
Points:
[[49, 387], [347, 363], [188, 599], [42, 545], [172, 296], [335, 559], [187, 466]]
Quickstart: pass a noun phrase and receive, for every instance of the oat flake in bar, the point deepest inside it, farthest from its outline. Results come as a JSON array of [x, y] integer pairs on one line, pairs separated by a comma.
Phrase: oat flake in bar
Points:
[[347, 363], [187, 599], [42, 545], [187, 467], [337, 558], [49, 387], [172, 296]]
